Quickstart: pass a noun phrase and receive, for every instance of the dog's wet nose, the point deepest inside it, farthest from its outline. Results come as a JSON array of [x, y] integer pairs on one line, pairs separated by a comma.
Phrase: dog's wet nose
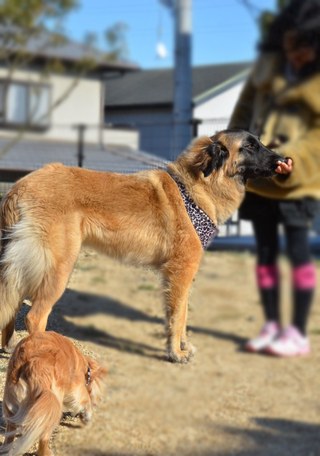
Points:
[[284, 159]]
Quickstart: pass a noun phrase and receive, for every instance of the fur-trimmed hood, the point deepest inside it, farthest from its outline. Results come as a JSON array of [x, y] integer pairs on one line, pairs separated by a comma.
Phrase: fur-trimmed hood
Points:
[[306, 91], [287, 115]]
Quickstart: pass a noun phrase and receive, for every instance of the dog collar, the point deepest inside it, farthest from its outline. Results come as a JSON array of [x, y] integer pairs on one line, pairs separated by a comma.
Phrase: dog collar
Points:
[[88, 376], [201, 221]]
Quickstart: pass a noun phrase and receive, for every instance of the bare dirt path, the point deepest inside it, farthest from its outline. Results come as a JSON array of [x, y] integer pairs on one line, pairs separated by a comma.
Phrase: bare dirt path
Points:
[[225, 402]]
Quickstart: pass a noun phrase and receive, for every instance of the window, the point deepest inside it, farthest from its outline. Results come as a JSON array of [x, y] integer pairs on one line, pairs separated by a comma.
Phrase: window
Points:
[[24, 104], [16, 111], [39, 103]]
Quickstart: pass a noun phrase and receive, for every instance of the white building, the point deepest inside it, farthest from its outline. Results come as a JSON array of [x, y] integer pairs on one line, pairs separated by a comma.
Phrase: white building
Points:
[[59, 115], [144, 101]]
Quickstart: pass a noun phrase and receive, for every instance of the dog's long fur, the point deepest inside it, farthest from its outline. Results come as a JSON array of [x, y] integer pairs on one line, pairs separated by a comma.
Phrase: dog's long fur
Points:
[[47, 375], [140, 218]]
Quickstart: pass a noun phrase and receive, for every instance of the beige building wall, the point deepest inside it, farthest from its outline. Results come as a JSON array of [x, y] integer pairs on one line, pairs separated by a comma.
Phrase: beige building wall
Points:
[[81, 105]]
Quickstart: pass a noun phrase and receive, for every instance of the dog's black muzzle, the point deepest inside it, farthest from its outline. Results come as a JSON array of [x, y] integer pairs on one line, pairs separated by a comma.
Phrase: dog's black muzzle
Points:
[[263, 163]]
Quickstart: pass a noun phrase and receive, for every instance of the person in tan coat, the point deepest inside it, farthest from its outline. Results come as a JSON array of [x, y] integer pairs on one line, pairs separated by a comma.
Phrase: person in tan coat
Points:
[[281, 103]]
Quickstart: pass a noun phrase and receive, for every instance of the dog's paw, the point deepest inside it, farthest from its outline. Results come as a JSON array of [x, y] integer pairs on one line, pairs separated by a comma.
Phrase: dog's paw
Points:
[[187, 346], [11, 345], [8, 349], [180, 356]]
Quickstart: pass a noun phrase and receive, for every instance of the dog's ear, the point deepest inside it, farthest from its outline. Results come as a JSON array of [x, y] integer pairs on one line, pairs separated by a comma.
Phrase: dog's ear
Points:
[[217, 154], [205, 155], [97, 371]]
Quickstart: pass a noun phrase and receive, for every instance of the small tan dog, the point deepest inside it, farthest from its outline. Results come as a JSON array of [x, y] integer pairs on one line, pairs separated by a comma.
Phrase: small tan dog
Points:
[[158, 218], [47, 375]]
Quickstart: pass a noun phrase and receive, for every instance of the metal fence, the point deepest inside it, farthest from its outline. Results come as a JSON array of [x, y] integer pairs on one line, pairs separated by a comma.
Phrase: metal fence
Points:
[[17, 158], [156, 131]]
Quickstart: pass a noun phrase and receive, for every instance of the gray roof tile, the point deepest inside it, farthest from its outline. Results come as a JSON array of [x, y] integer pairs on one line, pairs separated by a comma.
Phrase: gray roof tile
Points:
[[146, 87], [46, 46]]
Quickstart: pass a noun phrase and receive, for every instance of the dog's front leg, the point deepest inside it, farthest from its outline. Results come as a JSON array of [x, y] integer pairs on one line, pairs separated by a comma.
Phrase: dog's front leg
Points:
[[185, 344], [178, 348], [8, 337], [178, 281]]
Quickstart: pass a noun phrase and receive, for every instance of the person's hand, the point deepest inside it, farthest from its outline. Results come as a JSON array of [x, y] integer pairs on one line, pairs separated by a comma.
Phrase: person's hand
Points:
[[284, 167]]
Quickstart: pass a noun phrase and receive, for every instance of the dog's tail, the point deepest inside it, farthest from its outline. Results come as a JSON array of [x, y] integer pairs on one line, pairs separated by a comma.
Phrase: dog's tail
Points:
[[33, 420], [24, 259]]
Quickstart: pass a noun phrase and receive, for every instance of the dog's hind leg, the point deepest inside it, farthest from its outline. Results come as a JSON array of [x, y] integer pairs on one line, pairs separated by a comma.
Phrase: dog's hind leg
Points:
[[179, 274], [51, 289], [47, 295]]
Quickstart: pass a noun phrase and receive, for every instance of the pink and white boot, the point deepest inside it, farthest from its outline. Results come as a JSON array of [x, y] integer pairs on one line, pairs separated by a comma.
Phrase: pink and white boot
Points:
[[267, 335], [291, 342]]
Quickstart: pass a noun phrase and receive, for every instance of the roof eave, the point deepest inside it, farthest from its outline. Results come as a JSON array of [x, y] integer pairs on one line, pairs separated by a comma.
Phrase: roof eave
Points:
[[100, 67], [216, 90]]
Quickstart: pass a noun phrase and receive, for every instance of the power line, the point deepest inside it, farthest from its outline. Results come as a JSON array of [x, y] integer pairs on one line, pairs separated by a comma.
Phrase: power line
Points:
[[253, 10]]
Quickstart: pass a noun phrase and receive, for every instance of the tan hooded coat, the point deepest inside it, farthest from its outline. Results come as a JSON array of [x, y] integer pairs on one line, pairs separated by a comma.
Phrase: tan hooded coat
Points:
[[288, 115]]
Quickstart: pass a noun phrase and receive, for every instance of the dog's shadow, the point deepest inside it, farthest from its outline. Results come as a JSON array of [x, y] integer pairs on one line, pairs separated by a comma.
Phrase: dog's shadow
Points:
[[80, 304], [77, 304]]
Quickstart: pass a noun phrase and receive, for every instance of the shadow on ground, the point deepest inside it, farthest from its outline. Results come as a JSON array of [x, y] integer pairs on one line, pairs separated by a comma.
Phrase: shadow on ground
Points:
[[79, 304], [75, 304], [276, 437]]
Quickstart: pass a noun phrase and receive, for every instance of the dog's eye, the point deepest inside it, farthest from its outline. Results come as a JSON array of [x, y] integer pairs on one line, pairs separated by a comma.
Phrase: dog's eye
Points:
[[250, 147]]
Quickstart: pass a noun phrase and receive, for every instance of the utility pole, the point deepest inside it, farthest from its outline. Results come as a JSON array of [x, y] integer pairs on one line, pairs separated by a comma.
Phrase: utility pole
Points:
[[182, 112]]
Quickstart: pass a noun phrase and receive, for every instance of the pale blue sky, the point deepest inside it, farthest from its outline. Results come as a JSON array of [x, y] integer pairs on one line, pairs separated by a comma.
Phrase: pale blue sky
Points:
[[223, 30]]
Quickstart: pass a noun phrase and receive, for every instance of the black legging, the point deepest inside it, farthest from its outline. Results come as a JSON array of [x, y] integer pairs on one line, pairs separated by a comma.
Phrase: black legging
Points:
[[297, 243], [298, 251]]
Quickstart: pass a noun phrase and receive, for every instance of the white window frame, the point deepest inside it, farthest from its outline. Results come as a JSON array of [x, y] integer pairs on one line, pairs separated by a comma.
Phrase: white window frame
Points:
[[14, 115]]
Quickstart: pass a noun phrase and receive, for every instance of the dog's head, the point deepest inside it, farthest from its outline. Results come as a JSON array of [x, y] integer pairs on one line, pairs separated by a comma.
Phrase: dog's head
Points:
[[236, 152]]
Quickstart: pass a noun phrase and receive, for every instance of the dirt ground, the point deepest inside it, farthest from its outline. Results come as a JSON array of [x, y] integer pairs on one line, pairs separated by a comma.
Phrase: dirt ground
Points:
[[225, 402]]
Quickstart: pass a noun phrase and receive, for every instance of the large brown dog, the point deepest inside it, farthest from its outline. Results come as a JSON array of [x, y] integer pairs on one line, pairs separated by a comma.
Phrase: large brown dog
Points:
[[46, 376], [140, 218]]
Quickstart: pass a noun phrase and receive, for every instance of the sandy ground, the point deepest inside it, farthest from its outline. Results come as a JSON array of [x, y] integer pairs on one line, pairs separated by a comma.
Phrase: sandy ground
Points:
[[225, 402]]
